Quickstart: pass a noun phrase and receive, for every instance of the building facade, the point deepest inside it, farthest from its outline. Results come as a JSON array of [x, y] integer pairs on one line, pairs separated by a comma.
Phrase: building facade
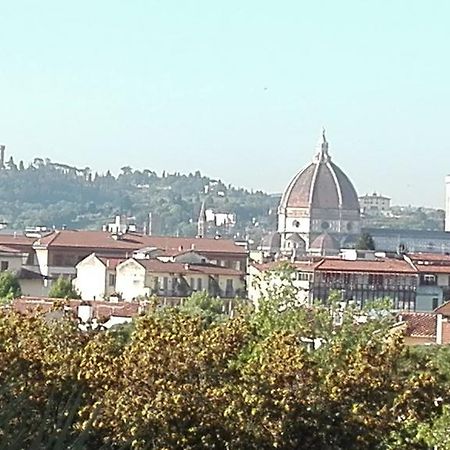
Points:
[[374, 204]]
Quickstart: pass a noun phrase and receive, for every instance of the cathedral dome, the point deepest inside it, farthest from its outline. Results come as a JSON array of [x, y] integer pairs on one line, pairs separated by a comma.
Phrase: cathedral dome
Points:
[[321, 185]]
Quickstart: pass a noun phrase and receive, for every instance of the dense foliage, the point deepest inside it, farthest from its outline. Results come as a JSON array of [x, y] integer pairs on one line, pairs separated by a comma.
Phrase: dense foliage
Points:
[[9, 286], [51, 194], [407, 217], [63, 288], [365, 242], [283, 377]]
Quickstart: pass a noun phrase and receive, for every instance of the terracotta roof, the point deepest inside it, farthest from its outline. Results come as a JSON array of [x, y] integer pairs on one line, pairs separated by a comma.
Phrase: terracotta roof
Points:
[[155, 265], [110, 263], [101, 310], [382, 265], [6, 249], [432, 268], [322, 184], [325, 242], [11, 240], [430, 257], [419, 324], [444, 309], [301, 266], [135, 241]]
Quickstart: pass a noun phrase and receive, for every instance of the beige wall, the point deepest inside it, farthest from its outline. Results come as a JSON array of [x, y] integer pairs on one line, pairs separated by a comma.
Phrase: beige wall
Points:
[[33, 288], [13, 261], [443, 279]]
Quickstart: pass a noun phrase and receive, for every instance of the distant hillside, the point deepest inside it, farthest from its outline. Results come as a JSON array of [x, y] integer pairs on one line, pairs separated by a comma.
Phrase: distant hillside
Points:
[[52, 194]]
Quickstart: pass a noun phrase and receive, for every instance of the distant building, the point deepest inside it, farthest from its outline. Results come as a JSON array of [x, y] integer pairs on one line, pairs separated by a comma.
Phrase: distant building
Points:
[[220, 219], [434, 279], [2, 156], [447, 203], [374, 203], [356, 280], [402, 240]]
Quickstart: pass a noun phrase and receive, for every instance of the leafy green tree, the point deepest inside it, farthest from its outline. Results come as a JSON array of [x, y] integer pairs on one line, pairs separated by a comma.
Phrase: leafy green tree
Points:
[[365, 242], [9, 286], [63, 288], [201, 304], [284, 376]]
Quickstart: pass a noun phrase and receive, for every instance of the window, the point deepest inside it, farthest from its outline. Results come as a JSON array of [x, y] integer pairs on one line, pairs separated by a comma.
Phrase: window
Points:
[[428, 280], [302, 276], [4, 266], [112, 279], [165, 284], [375, 279], [199, 284], [229, 288], [435, 303]]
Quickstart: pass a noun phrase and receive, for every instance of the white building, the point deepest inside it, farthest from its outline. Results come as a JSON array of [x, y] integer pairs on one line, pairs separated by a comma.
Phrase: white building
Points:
[[147, 277], [96, 277]]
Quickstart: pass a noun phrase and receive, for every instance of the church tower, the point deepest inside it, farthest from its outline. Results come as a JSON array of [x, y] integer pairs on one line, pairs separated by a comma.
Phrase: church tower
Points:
[[201, 223]]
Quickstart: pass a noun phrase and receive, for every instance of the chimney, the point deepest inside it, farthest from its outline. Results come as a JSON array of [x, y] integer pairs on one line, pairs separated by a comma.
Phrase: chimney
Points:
[[2, 156]]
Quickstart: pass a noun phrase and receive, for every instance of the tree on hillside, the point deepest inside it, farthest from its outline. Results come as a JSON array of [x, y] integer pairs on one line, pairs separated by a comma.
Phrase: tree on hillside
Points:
[[62, 288], [9, 286], [365, 242]]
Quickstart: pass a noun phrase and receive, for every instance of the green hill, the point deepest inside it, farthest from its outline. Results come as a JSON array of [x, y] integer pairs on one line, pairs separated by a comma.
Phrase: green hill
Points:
[[52, 194]]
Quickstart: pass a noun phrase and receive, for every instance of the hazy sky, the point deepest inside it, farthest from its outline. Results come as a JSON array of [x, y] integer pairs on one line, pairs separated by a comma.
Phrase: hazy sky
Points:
[[237, 89]]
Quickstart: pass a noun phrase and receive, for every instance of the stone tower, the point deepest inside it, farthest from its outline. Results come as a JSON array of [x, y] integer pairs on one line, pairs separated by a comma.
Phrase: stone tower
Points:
[[201, 223]]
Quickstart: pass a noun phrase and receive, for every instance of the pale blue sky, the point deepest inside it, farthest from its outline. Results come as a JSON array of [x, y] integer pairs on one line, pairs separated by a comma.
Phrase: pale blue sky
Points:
[[236, 89]]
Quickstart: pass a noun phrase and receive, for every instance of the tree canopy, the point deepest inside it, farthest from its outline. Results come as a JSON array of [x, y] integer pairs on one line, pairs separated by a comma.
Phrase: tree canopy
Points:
[[283, 376], [365, 242], [63, 288], [9, 286]]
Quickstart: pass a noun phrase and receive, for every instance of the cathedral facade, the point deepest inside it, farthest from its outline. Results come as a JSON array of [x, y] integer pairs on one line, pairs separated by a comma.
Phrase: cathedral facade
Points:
[[319, 211]]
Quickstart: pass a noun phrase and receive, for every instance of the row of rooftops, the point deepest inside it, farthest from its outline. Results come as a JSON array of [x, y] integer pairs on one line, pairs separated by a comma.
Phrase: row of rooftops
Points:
[[417, 324], [126, 242], [415, 263]]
